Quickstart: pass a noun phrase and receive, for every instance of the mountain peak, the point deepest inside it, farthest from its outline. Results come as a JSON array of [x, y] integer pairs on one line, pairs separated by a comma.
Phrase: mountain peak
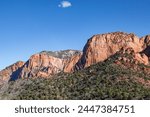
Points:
[[102, 46], [62, 54]]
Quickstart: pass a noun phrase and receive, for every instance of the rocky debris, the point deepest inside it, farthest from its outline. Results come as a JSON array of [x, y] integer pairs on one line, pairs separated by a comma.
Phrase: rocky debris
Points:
[[130, 56], [127, 58]]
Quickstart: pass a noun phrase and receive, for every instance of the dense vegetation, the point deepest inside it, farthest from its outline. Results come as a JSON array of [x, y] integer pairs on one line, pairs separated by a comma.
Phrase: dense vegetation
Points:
[[104, 80]]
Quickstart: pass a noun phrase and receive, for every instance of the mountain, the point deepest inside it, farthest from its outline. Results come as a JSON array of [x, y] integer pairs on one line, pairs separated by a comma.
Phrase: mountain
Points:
[[100, 47], [114, 52], [118, 77], [43, 64]]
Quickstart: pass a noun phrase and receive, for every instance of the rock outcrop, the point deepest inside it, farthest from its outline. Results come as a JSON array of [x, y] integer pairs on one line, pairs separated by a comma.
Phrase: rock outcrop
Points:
[[10, 72], [48, 63], [41, 65], [70, 63], [100, 47], [129, 58], [145, 41]]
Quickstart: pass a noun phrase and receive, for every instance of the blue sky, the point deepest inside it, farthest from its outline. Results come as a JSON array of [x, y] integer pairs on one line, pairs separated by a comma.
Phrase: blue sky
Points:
[[30, 26]]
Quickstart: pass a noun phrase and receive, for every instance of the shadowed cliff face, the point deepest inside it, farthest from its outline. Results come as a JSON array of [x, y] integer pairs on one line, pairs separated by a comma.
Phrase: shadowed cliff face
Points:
[[146, 45], [70, 63], [98, 48], [11, 72]]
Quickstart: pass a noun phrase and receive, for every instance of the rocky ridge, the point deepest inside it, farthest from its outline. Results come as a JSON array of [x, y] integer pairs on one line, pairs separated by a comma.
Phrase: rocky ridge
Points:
[[43, 64], [10, 72], [98, 48]]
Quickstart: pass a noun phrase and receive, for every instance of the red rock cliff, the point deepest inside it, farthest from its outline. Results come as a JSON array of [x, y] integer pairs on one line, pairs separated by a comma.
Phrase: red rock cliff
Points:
[[100, 47], [7, 73], [46, 64]]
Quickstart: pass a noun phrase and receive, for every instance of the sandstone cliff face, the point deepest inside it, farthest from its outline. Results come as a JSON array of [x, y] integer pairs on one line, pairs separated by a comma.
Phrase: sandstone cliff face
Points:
[[100, 47], [41, 65], [145, 41], [70, 63], [11, 71], [142, 58], [49, 63]]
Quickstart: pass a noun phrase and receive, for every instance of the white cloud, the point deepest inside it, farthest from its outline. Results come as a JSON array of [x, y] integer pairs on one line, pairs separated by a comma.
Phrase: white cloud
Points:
[[65, 4]]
